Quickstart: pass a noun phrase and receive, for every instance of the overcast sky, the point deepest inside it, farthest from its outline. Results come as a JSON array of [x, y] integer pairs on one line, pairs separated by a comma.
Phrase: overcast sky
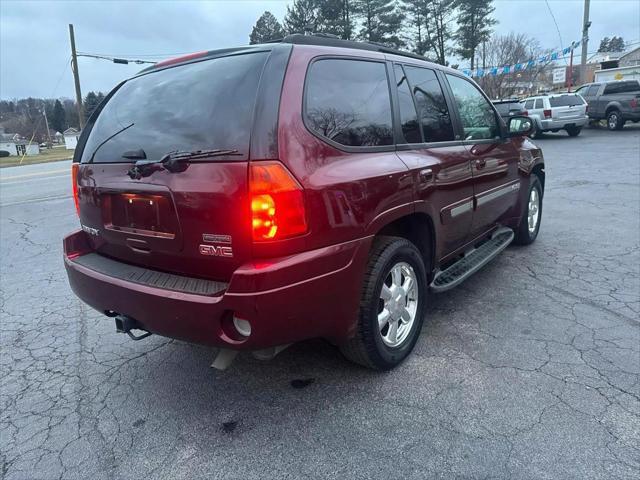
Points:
[[35, 52]]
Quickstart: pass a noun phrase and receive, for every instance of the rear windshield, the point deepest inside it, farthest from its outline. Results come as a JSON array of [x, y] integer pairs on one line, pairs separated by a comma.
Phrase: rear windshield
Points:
[[565, 101], [505, 108], [198, 106]]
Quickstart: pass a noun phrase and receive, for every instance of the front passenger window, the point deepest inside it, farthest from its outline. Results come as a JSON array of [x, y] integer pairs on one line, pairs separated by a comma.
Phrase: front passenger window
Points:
[[478, 117]]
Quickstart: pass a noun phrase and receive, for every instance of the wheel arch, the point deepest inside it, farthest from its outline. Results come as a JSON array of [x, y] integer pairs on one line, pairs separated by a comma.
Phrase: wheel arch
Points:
[[417, 228]]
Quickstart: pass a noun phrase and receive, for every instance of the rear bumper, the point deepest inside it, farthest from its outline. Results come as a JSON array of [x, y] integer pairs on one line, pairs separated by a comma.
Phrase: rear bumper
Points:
[[307, 295], [553, 124]]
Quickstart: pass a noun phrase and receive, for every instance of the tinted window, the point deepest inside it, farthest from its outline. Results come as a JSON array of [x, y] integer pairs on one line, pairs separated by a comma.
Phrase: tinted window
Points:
[[529, 104], [508, 108], [433, 112], [565, 101], [203, 105], [408, 116], [347, 101], [592, 91], [477, 115], [539, 103], [622, 87]]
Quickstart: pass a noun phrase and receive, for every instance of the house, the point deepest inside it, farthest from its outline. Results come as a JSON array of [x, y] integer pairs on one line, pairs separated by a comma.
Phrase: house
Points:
[[16, 146], [71, 136], [630, 58]]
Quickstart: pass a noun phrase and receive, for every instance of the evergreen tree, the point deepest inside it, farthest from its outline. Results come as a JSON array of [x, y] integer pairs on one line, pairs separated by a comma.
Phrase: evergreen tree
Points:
[[266, 28], [58, 118], [302, 16], [381, 22], [616, 44], [604, 44], [474, 27], [431, 21], [336, 17], [90, 103]]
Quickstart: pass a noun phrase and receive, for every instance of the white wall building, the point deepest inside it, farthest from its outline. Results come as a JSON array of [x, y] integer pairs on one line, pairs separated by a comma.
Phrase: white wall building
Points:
[[71, 136]]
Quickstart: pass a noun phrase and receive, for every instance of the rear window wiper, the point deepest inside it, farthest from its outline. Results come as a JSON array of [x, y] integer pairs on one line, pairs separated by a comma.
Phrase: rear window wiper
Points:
[[172, 161]]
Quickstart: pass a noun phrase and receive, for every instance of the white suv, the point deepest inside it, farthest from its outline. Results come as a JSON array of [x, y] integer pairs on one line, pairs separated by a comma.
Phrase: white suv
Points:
[[563, 111]]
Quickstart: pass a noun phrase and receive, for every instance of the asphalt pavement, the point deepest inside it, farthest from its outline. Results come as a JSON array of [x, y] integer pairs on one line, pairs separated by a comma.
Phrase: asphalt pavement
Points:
[[528, 370]]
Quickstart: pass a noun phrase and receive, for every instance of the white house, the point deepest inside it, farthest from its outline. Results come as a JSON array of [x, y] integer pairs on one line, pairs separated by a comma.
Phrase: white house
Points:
[[71, 136], [12, 143]]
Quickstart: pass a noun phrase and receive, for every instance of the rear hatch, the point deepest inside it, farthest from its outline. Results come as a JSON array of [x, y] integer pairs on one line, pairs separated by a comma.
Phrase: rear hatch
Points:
[[192, 219], [567, 106]]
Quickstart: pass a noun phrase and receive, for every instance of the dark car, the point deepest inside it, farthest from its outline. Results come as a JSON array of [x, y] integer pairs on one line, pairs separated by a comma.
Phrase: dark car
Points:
[[617, 102], [253, 197], [508, 108]]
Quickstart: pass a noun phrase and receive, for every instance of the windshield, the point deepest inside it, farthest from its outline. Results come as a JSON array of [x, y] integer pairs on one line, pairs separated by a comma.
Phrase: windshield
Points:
[[198, 106], [565, 101]]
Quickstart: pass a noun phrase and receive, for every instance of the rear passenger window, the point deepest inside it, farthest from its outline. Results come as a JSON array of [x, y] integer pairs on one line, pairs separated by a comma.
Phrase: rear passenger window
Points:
[[408, 116], [539, 103], [347, 101], [433, 113], [622, 87], [593, 90], [478, 117]]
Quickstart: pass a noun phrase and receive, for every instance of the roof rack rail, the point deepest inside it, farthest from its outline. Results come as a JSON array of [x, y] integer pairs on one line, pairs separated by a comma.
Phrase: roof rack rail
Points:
[[330, 40]]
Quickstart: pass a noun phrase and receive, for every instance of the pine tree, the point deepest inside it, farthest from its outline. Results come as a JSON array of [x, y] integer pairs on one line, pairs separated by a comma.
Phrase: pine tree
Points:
[[266, 28], [302, 16], [474, 27], [604, 44], [90, 103], [58, 118], [381, 22], [616, 44], [431, 21], [336, 17]]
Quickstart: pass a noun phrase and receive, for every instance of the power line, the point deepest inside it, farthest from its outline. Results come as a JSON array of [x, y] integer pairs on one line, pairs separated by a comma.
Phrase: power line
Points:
[[556, 23], [123, 61]]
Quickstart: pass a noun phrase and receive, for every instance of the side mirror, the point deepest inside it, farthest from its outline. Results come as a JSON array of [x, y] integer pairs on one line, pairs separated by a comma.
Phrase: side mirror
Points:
[[519, 126]]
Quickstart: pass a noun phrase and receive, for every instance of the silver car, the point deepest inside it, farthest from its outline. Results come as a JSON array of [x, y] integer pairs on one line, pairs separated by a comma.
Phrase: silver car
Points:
[[555, 112]]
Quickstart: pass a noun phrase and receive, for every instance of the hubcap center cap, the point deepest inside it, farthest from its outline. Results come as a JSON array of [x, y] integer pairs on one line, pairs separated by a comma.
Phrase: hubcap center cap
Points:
[[397, 303]]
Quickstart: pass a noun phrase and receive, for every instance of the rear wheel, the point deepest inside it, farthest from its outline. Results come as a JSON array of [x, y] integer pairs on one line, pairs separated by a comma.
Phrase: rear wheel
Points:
[[614, 120], [391, 305], [529, 226], [574, 131]]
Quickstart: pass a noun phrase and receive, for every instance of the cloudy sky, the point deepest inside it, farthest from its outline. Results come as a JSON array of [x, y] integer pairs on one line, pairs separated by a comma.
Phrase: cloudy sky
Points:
[[34, 39]]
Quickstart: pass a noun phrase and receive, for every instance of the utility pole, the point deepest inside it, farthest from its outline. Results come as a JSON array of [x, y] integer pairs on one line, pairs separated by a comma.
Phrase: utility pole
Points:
[[76, 77], [46, 122], [570, 69], [585, 42]]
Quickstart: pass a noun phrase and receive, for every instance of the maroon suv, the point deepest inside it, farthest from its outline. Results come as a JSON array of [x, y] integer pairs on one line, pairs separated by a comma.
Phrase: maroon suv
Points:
[[252, 197]]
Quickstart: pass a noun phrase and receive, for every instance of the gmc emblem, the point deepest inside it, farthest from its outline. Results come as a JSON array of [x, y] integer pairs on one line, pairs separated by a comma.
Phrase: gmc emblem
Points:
[[216, 251]]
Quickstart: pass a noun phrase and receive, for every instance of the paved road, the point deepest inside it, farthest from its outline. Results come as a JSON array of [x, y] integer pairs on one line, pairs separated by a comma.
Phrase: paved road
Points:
[[531, 369]]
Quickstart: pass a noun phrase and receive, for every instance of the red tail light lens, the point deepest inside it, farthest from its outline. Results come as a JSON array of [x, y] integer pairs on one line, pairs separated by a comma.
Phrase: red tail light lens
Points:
[[547, 113], [277, 203], [74, 185], [633, 103], [525, 113]]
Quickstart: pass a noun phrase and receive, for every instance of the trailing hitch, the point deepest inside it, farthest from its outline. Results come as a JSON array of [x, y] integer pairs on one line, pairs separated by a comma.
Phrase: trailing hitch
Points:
[[125, 324]]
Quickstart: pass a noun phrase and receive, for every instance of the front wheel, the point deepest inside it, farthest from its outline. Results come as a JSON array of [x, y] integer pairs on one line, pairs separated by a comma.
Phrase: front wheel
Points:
[[391, 306], [529, 226], [614, 120]]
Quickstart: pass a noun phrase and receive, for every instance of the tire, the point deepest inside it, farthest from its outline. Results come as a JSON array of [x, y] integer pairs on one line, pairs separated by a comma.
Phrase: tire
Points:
[[536, 134], [614, 120], [574, 131], [525, 236], [372, 344]]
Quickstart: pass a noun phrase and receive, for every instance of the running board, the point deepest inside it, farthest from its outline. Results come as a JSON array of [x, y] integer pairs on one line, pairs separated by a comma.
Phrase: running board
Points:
[[472, 261]]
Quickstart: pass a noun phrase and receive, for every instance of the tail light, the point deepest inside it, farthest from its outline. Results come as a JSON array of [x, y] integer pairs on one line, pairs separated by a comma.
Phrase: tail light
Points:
[[525, 113], [634, 102], [277, 202], [74, 185], [547, 113]]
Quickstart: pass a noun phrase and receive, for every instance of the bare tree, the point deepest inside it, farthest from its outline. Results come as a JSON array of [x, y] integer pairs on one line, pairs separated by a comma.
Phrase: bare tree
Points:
[[511, 49]]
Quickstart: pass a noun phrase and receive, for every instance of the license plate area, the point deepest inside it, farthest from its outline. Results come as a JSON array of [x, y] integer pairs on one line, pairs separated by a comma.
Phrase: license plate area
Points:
[[149, 215]]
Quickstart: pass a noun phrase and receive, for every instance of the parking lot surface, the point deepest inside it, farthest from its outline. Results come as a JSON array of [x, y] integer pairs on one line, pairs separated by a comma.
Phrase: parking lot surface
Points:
[[529, 370]]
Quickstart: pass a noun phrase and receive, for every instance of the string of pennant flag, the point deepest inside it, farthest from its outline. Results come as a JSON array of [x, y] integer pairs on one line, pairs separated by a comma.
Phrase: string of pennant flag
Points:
[[519, 67]]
